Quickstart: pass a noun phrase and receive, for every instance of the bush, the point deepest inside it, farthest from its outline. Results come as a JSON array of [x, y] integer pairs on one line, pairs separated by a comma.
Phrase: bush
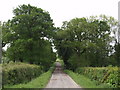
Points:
[[107, 75], [78, 61], [39, 82], [14, 73]]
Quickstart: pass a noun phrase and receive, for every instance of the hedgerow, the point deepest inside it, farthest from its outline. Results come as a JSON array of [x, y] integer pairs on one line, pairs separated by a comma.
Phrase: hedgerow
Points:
[[108, 75], [39, 82], [15, 73]]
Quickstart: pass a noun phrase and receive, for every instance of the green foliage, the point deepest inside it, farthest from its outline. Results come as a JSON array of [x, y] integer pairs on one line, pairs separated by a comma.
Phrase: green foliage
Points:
[[0, 76], [14, 73], [81, 80], [85, 82], [117, 53], [29, 35], [85, 41], [39, 82], [107, 75], [76, 61]]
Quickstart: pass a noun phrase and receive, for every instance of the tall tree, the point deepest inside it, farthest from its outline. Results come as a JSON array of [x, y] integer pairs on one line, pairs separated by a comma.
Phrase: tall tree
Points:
[[29, 34], [85, 41]]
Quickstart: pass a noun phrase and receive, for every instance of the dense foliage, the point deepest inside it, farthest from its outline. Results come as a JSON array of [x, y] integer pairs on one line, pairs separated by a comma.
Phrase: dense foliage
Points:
[[108, 75], [117, 53], [39, 82], [86, 82], [86, 41], [14, 73], [29, 36], [81, 42]]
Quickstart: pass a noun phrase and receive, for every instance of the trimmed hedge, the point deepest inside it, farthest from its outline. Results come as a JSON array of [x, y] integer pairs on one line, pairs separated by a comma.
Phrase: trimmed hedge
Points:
[[15, 73], [107, 75], [39, 82]]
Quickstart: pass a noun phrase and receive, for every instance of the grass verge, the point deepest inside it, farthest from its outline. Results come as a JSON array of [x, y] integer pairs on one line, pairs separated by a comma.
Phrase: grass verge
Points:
[[85, 82], [39, 82]]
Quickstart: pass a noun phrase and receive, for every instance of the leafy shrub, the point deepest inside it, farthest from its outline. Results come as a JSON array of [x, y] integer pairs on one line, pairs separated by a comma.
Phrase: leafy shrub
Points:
[[14, 73], [39, 82], [78, 61], [107, 75]]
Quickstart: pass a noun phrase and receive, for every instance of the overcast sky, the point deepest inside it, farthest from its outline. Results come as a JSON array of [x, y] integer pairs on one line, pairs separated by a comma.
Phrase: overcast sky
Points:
[[63, 10]]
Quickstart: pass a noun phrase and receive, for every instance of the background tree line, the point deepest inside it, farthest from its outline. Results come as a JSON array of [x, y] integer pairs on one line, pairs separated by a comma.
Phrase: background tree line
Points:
[[31, 35], [88, 42]]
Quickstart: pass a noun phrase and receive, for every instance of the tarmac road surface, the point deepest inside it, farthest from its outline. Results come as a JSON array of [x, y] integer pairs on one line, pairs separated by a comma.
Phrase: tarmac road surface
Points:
[[61, 80]]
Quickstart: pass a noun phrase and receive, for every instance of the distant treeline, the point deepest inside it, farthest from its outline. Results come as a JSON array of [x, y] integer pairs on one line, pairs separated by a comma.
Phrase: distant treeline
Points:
[[84, 42], [31, 35]]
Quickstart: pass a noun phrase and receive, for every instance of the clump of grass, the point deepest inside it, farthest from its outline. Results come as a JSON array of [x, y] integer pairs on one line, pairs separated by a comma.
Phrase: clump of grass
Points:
[[85, 82]]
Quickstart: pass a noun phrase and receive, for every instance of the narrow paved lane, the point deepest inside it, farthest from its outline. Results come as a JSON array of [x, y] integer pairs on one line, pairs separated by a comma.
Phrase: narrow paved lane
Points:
[[60, 79]]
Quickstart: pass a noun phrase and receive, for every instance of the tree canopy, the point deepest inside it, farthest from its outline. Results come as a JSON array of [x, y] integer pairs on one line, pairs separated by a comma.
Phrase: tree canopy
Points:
[[28, 34], [85, 41]]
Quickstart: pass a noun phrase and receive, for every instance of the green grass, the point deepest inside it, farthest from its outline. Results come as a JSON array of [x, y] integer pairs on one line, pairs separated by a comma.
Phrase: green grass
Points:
[[84, 82], [39, 82]]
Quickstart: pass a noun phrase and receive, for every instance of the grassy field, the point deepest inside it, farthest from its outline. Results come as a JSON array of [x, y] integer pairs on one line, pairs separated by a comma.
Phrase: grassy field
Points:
[[39, 82], [85, 82]]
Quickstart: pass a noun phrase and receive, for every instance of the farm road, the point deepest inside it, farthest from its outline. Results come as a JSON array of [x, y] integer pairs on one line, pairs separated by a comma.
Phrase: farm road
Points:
[[61, 80]]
